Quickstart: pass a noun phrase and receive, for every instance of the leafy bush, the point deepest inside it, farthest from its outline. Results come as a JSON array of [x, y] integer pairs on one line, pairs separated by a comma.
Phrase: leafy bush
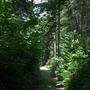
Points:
[[72, 57], [19, 48], [80, 80]]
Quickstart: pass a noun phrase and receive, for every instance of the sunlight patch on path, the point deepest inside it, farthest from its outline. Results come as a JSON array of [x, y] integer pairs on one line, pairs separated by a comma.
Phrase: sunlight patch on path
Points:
[[45, 68], [47, 82]]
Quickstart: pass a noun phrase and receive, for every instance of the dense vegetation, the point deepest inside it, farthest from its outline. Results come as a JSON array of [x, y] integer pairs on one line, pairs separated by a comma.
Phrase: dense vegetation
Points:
[[55, 32]]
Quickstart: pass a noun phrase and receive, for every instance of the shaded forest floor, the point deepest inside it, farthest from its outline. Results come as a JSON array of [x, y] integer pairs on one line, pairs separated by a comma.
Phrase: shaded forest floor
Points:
[[46, 81]]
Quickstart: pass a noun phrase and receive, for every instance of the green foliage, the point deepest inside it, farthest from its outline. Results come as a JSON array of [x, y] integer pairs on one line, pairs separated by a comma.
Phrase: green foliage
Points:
[[53, 63], [72, 52], [20, 48], [80, 80], [69, 64], [26, 42]]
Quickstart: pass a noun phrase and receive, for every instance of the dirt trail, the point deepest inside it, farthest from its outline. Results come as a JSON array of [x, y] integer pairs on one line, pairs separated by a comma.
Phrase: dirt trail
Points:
[[47, 82]]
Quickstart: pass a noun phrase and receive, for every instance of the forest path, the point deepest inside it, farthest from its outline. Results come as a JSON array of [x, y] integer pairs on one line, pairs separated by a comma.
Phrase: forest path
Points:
[[47, 82]]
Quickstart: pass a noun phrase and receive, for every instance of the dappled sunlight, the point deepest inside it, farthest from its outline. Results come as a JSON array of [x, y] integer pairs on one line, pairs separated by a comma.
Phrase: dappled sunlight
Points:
[[44, 44]]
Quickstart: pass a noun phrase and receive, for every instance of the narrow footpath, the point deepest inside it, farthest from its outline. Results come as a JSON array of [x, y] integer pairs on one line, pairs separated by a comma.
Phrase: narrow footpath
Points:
[[46, 81]]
